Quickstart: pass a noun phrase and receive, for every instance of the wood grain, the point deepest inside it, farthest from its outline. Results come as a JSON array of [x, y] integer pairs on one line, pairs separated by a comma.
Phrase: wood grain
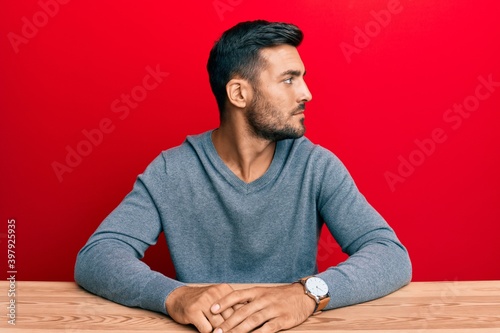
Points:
[[435, 307]]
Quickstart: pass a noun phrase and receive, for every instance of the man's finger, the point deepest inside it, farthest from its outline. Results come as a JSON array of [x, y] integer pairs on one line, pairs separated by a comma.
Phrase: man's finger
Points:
[[227, 313], [245, 320], [230, 300], [214, 320], [237, 306], [202, 324]]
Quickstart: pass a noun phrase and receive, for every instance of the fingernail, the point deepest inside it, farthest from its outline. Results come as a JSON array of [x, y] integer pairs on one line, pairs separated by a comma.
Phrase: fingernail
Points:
[[218, 330], [214, 309]]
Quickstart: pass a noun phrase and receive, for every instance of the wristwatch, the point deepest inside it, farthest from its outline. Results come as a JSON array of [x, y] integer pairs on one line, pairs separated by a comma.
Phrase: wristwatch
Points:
[[317, 289]]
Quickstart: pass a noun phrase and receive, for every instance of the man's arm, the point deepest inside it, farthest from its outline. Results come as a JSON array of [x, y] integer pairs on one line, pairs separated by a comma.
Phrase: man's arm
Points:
[[378, 263], [109, 264]]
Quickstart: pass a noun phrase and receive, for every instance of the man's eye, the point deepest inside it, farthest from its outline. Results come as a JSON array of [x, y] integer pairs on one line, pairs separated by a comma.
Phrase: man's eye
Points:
[[288, 81]]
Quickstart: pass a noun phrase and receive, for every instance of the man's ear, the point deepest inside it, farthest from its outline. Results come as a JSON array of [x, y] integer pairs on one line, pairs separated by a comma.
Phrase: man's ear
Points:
[[239, 92]]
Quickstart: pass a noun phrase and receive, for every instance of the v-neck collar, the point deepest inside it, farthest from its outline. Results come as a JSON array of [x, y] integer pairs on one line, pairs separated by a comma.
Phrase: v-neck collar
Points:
[[230, 176]]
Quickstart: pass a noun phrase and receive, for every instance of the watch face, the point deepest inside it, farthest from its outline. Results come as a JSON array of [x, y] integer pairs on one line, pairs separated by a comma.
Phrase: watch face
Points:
[[317, 286]]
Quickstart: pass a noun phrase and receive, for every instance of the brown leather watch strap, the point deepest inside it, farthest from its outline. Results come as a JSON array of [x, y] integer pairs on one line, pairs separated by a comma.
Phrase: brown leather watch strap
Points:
[[322, 303]]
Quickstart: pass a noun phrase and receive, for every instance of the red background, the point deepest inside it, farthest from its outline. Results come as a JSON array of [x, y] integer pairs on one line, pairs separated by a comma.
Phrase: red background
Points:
[[368, 107]]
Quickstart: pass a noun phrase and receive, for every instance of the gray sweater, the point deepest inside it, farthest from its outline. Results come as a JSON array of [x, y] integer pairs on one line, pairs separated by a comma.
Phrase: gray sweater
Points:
[[221, 229]]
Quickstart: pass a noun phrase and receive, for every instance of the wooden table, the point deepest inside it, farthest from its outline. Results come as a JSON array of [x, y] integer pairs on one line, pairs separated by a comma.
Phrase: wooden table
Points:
[[435, 307]]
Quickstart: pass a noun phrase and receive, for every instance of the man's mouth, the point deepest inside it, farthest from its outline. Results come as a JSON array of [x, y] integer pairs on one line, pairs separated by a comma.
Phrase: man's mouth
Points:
[[300, 109]]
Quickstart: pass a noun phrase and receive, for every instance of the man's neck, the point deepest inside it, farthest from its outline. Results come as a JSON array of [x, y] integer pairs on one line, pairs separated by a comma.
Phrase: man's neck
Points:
[[247, 156]]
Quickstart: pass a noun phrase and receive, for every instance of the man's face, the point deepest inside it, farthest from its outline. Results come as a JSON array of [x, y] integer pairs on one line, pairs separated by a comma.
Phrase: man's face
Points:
[[277, 109]]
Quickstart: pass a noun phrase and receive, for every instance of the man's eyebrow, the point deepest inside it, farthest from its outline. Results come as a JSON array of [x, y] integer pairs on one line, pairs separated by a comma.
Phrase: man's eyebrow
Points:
[[292, 72]]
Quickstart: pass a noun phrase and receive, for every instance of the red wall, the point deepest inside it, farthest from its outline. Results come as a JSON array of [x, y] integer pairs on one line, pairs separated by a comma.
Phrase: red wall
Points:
[[401, 95]]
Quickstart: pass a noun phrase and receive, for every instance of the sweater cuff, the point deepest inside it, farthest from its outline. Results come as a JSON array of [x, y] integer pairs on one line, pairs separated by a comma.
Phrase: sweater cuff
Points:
[[157, 290], [339, 287]]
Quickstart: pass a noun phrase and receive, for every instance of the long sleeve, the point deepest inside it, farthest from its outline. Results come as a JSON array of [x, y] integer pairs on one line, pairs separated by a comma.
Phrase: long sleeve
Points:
[[109, 264], [378, 263]]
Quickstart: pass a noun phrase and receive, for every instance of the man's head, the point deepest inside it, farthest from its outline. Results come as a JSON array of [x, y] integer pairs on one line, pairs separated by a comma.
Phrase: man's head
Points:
[[261, 57]]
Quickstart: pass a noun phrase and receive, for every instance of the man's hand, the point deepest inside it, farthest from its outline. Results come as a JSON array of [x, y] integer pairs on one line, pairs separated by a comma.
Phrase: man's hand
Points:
[[270, 309], [191, 305]]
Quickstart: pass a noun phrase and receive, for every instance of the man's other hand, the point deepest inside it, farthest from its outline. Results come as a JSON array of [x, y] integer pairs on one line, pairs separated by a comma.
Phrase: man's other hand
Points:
[[191, 305], [270, 309]]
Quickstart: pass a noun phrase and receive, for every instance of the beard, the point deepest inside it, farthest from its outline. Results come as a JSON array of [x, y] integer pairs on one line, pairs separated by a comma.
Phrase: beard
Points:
[[266, 122]]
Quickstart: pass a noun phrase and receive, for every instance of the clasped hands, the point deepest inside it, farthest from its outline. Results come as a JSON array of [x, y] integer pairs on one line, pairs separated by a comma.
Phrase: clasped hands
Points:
[[221, 309]]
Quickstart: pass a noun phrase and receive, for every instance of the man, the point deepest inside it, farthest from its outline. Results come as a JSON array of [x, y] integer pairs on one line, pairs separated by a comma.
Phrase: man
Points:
[[246, 203]]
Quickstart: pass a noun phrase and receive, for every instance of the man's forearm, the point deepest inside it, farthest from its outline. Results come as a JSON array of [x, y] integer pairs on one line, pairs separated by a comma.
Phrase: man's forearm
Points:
[[376, 270], [109, 270]]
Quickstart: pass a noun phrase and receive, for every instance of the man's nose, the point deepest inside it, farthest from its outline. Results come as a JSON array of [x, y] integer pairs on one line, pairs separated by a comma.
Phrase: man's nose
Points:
[[305, 94]]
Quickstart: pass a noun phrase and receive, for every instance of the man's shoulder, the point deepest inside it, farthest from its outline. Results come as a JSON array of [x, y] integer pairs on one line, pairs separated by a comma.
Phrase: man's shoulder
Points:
[[304, 146], [180, 156], [188, 147]]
